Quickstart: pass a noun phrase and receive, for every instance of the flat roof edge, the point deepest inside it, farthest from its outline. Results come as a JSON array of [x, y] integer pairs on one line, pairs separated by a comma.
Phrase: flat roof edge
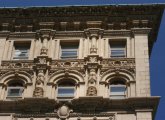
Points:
[[93, 5]]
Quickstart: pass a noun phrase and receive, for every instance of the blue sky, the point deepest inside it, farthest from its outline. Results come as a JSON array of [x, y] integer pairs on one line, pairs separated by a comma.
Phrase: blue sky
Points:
[[157, 60]]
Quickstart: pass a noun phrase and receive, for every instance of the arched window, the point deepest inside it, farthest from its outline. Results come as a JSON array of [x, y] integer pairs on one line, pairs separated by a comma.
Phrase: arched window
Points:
[[15, 89], [66, 89], [117, 89]]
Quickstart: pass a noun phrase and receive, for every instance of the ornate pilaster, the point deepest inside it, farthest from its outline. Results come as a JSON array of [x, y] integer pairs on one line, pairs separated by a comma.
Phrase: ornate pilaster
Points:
[[39, 85], [41, 68], [94, 34], [92, 66]]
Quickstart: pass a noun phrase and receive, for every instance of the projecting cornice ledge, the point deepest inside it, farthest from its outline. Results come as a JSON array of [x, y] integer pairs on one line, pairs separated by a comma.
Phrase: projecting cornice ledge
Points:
[[81, 104], [136, 31], [108, 33]]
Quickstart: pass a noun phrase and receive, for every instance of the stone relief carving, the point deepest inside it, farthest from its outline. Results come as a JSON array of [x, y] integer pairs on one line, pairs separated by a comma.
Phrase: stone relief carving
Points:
[[93, 50], [44, 51], [91, 91], [63, 112], [42, 60], [17, 64], [38, 92], [92, 77], [77, 63], [92, 59]]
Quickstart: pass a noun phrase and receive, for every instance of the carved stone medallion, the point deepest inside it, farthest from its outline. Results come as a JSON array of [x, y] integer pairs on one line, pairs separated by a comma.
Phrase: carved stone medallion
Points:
[[63, 112]]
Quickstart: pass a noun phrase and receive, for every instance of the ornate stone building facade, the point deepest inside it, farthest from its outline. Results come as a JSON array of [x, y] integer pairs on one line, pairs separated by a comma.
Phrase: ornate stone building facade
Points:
[[77, 62]]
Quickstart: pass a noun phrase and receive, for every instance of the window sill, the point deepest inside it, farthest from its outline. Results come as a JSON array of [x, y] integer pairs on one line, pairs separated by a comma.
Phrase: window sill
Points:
[[13, 98]]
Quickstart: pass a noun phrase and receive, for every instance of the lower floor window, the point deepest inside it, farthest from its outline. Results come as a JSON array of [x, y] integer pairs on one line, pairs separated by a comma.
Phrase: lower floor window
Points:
[[117, 89], [14, 91], [66, 91]]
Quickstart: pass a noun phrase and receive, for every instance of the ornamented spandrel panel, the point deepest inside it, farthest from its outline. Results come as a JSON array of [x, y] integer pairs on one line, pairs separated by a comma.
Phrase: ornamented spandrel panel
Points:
[[17, 64], [118, 62], [78, 63]]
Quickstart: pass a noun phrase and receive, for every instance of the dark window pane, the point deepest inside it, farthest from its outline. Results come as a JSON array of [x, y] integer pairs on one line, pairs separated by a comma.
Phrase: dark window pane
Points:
[[118, 49], [69, 51], [65, 92], [21, 52], [15, 92]]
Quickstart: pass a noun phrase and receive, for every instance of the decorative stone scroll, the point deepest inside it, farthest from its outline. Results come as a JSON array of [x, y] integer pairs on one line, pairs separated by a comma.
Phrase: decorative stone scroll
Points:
[[38, 92]]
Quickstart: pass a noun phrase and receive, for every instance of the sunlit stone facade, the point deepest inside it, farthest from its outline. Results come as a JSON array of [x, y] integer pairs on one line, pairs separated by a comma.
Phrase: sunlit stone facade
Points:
[[77, 62]]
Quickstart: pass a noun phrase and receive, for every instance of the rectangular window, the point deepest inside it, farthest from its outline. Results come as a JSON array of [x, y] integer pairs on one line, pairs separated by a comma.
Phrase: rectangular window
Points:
[[69, 50], [21, 51], [15, 91], [117, 91], [117, 49], [66, 91]]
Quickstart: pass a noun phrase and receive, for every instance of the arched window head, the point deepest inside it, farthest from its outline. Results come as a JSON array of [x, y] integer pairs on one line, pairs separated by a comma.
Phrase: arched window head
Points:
[[15, 89], [117, 89], [66, 89]]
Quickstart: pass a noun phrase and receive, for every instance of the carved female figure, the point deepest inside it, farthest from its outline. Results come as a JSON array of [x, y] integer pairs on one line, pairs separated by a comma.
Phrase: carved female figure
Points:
[[38, 92]]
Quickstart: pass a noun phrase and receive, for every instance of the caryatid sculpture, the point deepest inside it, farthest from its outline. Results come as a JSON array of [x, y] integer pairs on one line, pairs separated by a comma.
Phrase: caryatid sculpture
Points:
[[39, 92]]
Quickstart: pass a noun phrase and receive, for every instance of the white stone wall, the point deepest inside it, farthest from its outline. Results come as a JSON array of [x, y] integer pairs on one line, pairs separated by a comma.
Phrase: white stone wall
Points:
[[142, 65]]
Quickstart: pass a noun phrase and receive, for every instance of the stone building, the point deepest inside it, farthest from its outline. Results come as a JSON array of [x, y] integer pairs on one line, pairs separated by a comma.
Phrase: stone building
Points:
[[77, 62]]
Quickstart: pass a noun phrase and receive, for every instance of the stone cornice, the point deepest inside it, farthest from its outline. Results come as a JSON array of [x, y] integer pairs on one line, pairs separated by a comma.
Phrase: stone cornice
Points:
[[140, 31], [94, 32], [11, 35], [74, 10], [31, 105], [66, 34], [109, 33], [26, 35], [4, 34]]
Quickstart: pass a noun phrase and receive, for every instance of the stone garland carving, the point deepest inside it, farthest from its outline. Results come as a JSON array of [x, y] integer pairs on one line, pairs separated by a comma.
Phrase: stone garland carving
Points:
[[38, 92], [16, 65], [118, 63], [57, 64]]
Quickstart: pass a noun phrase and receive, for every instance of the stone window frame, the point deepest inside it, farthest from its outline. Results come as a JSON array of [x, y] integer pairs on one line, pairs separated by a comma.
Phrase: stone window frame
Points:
[[21, 43], [120, 82], [115, 41], [74, 85], [14, 80], [21, 76], [65, 41]]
